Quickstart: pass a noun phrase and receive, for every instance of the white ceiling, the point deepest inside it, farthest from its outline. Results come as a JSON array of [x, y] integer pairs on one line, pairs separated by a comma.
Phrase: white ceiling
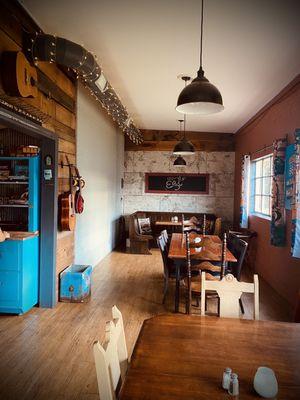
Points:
[[251, 51]]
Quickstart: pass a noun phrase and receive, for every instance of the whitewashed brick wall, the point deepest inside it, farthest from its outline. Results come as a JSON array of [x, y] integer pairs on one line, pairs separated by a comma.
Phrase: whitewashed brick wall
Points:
[[219, 165]]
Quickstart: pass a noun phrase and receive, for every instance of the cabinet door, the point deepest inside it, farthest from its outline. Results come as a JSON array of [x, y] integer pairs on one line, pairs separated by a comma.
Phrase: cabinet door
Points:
[[10, 291], [10, 255]]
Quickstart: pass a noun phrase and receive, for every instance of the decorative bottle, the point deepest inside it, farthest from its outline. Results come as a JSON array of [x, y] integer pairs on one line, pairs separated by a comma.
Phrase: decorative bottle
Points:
[[234, 385], [226, 378]]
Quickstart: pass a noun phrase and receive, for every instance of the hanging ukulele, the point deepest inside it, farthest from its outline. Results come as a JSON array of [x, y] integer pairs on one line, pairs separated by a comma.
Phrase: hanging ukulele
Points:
[[67, 211], [79, 200]]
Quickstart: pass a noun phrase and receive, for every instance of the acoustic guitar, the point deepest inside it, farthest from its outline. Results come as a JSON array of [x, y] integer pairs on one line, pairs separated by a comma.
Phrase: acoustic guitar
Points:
[[20, 79], [66, 206], [18, 76]]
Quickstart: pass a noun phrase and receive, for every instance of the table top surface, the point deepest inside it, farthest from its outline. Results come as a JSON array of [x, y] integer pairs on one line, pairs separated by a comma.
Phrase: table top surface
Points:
[[211, 249], [183, 357]]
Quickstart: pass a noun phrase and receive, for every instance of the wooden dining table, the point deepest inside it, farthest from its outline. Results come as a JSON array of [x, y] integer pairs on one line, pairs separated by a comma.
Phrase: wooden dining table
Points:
[[183, 357], [209, 249]]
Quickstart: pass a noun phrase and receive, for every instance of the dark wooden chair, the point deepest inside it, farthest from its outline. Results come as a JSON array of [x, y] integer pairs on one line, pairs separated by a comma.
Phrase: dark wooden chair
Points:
[[165, 236], [238, 248], [168, 265], [248, 236]]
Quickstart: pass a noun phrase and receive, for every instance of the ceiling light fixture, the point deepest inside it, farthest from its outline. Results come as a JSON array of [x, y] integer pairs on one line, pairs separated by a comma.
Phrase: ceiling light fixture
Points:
[[179, 162], [184, 147], [200, 96]]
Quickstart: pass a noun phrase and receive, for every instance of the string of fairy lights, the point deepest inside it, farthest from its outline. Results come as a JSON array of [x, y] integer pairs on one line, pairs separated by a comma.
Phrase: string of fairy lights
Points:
[[44, 47]]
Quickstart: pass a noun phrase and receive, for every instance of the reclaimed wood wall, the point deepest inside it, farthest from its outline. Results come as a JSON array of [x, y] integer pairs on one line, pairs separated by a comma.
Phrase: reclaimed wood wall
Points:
[[159, 140], [53, 115]]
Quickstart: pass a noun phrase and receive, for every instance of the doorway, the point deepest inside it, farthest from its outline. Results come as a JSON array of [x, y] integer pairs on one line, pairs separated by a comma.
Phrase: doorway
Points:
[[48, 143]]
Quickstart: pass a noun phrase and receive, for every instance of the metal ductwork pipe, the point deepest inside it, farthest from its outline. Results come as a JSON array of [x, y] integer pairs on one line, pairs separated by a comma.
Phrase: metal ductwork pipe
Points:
[[49, 48]]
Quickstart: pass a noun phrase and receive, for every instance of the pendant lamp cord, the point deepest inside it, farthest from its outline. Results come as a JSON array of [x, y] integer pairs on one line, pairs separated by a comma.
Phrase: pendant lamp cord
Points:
[[184, 115], [200, 72]]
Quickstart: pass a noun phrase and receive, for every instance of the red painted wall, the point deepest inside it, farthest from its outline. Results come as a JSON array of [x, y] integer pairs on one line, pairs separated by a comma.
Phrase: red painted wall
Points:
[[274, 264]]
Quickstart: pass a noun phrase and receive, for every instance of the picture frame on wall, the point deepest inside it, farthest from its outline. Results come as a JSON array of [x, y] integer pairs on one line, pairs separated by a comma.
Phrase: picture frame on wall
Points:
[[172, 183]]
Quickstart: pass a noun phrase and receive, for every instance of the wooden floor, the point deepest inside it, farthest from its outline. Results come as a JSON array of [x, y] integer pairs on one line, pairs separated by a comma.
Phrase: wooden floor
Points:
[[47, 353]]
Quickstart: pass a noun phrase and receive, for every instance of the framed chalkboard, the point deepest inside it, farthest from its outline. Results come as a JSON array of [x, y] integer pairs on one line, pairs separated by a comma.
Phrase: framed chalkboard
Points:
[[177, 183]]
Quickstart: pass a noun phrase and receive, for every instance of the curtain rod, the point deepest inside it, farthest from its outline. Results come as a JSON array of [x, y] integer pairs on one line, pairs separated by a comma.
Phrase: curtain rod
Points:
[[261, 150], [270, 146]]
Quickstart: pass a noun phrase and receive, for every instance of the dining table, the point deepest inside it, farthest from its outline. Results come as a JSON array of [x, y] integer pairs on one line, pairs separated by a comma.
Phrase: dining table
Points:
[[183, 357], [209, 249]]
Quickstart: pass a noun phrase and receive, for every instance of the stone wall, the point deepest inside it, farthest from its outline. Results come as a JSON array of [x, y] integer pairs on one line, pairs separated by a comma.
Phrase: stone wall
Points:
[[219, 166]]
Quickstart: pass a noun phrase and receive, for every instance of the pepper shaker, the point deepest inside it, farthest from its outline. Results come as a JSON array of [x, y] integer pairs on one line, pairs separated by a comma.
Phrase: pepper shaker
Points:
[[234, 385], [226, 378]]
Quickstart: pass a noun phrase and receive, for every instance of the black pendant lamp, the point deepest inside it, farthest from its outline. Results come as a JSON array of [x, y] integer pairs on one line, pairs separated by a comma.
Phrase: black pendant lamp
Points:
[[184, 147], [200, 96], [179, 162]]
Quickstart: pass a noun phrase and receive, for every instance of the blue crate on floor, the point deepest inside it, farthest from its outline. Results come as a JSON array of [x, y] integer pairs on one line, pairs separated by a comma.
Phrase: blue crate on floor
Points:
[[75, 284]]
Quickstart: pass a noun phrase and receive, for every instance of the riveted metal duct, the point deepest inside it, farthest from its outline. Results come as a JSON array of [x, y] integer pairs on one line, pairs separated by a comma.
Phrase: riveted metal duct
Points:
[[49, 48]]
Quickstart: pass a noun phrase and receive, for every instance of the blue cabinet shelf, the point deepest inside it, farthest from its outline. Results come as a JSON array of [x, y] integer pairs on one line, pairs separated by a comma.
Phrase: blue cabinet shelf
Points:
[[31, 212]]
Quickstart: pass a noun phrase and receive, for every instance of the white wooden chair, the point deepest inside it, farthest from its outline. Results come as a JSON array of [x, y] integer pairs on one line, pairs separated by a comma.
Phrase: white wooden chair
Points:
[[229, 290], [121, 340], [111, 357]]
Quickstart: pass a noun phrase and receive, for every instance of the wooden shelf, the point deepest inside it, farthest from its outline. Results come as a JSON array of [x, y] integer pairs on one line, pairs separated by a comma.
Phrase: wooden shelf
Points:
[[15, 205], [13, 182]]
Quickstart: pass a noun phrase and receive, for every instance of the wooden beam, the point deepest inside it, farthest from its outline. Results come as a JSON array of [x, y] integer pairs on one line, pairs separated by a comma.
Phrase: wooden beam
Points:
[[161, 140]]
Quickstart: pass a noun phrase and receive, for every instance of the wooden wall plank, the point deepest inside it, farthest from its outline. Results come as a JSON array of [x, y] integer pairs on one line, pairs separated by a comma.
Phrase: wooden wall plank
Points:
[[160, 140], [58, 77], [65, 250], [66, 146], [6, 43], [65, 116]]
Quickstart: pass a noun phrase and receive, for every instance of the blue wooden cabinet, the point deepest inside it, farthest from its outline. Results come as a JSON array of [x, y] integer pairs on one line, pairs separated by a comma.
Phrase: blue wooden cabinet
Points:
[[19, 274], [19, 256]]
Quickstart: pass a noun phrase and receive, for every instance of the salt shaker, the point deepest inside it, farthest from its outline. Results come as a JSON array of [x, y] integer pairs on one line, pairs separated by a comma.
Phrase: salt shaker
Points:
[[226, 378], [234, 385]]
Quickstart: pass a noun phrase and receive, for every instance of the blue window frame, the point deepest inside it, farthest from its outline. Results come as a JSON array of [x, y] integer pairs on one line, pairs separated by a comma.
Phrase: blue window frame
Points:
[[261, 186]]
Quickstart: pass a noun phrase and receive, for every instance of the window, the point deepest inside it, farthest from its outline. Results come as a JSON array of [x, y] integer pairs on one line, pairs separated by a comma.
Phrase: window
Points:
[[261, 184]]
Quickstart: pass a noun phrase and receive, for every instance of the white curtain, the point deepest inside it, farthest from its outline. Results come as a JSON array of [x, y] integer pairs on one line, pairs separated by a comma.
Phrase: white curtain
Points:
[[245, 191]]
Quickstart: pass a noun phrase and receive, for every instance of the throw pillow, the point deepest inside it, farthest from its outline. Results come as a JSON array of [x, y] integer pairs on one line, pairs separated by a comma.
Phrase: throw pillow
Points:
[[144, 226]]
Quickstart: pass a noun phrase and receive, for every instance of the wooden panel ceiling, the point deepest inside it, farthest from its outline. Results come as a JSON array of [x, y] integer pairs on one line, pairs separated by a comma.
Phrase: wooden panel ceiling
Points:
[[160, 140]]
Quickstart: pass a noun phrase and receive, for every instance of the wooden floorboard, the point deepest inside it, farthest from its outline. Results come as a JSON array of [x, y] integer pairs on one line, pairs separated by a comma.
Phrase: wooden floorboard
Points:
[[47, 353]]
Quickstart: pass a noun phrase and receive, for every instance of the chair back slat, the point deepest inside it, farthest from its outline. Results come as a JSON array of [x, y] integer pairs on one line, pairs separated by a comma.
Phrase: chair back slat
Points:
[[121, 340], [223, 257], [204, 225], [189, 273], [229, 290]]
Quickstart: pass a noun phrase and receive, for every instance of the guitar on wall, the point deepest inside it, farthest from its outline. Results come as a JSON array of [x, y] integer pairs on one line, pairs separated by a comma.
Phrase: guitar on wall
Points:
[[67, 217], [21, 79]]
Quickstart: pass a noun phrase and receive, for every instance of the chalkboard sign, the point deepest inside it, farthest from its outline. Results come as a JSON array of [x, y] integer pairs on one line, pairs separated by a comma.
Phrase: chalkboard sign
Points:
[[177, 183]]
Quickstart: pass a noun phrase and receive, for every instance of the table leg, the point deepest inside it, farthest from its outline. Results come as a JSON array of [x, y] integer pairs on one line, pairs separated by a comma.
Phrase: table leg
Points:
[[177, 291]]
